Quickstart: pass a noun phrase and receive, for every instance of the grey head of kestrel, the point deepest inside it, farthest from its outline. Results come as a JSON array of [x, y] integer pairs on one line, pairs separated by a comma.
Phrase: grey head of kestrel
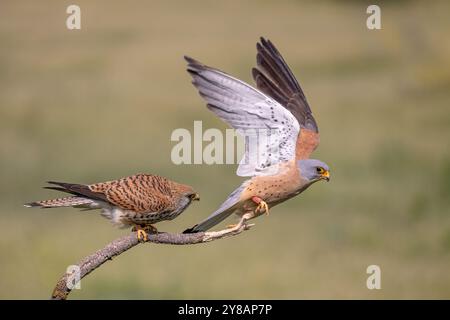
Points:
[[282, 169], [137, 201]]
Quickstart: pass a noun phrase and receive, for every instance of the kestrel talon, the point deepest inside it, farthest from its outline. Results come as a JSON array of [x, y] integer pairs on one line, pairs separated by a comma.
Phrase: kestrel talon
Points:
[[282, 169], [137, 201]]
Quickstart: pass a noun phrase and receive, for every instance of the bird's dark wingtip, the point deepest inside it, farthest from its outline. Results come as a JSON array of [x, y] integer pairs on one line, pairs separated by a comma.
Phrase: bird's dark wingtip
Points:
[[56, 183], [55, 188], [187, 58], [192, 61], [264, 40]]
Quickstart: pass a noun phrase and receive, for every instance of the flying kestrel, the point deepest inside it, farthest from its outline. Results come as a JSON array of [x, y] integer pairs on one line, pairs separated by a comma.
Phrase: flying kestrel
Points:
[[139, 200], [282, 169]]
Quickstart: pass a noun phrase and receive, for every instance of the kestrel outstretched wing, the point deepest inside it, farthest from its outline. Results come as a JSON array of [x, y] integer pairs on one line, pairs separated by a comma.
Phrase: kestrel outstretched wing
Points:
[[275, 79], [245, 109]]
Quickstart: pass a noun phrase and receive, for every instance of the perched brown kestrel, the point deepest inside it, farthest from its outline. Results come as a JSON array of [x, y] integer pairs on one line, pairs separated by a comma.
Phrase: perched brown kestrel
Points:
[[280, 169], [139, 200]]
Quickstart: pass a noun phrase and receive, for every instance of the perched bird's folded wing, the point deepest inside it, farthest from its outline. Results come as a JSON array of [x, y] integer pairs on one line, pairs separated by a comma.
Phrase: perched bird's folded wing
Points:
[[141, 193], [275, 79], [270, 130]]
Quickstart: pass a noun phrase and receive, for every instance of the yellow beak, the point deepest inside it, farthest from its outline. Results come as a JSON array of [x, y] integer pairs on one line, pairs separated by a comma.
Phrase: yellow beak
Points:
[[196, 197], [326, 175]]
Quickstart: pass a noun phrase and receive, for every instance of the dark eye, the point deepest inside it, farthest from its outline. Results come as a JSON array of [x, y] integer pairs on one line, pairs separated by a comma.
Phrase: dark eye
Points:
[[320, 170]]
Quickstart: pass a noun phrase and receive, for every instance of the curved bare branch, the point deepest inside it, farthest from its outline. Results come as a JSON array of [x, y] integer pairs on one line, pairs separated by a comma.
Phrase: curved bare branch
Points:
[[90, 263]]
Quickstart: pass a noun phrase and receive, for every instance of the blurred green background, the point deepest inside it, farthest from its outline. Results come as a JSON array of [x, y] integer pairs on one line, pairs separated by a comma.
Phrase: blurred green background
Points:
[[101, 103]]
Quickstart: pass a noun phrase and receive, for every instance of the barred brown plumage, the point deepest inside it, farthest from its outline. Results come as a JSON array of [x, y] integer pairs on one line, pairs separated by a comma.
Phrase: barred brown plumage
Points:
[[139, 200]]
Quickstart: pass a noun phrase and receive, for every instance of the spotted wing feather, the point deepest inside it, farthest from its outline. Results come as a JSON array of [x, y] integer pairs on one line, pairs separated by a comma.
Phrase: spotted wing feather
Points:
[[270, 130]]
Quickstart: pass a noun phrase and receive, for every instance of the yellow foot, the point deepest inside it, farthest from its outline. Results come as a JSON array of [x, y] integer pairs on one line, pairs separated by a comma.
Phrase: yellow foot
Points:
[[262, 205], [143, 231], [141, 235], [231, 226]]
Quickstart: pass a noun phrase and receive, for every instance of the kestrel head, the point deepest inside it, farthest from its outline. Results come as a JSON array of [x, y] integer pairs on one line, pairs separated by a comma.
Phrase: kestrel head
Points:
[[187, 192], [313, 170], [184, 195]]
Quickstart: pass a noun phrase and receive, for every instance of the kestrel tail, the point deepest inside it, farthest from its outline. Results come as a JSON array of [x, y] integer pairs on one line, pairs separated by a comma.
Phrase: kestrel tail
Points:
[[279, 167], [140, 200]]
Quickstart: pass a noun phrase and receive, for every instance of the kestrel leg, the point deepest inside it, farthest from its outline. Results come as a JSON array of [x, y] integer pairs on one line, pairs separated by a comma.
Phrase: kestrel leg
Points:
[[262, 205], [141, 233], [247, 216]]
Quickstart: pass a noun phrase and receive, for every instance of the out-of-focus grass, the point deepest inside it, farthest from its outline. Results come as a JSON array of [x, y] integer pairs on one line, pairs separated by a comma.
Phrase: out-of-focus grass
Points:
[[101, 103]]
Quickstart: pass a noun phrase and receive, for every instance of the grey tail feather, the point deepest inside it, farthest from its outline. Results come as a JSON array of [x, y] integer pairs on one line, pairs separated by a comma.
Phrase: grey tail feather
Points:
[[213, 220], [225, 210]]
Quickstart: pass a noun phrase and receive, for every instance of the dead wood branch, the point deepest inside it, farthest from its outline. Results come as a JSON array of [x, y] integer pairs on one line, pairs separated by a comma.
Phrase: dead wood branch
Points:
[[120, 245]]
